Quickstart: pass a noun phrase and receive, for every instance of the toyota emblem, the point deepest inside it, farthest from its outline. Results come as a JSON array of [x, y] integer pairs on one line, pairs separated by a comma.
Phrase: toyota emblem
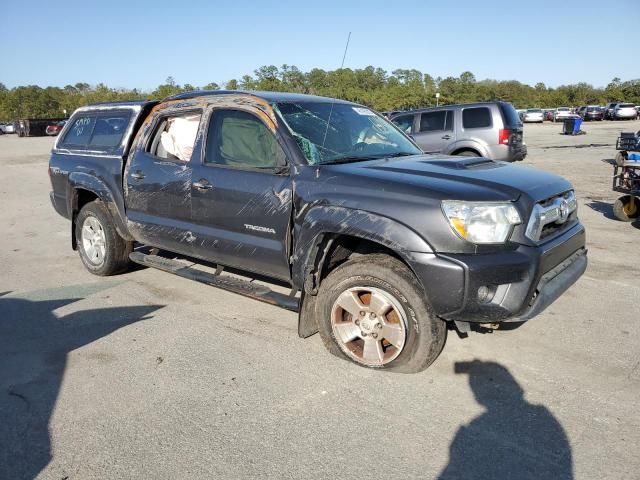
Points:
[[564, 211]]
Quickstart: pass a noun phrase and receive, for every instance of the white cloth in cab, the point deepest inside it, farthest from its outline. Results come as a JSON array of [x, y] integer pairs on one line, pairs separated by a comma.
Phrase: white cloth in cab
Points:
[[180, 136]]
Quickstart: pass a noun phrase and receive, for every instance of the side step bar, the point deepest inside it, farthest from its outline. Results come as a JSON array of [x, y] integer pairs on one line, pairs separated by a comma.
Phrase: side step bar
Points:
[[231, 284]]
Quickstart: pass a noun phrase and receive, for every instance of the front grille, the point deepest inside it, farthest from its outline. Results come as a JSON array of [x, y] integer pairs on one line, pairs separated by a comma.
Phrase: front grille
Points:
[[552, 216]]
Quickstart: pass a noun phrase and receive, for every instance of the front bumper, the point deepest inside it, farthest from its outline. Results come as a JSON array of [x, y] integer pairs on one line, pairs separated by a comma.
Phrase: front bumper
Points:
[[524, 280]]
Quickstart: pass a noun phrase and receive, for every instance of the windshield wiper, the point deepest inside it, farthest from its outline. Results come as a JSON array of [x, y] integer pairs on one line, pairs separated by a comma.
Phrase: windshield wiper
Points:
[[350, 159]]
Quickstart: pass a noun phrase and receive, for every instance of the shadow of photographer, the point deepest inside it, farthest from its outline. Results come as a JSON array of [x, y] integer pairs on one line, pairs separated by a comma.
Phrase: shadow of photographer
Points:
[[34, 344], [512, 438]]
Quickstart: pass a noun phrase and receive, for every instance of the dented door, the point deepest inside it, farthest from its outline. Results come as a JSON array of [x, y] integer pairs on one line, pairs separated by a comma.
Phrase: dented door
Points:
[[241, 196]]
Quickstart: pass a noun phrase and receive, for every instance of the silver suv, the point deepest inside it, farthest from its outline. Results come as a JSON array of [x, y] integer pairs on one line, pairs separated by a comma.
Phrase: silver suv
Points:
[[488, 129]]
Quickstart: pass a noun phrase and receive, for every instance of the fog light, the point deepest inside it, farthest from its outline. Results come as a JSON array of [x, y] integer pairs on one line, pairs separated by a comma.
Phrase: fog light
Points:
[[486, 293]]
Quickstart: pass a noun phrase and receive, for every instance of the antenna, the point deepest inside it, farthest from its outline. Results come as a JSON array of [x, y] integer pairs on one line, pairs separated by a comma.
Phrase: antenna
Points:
[[326, 131]]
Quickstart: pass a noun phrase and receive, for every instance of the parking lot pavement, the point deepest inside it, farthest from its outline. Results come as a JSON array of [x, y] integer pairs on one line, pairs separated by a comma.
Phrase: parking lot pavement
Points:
[[147, 375]]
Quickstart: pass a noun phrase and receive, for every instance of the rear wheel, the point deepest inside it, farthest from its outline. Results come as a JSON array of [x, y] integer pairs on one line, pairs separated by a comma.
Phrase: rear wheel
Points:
[[102, 250], [627, 208], [372, 311], [468, 153]]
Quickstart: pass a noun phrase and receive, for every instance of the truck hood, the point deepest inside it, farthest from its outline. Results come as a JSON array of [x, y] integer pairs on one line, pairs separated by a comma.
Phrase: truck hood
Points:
[[464, 178]]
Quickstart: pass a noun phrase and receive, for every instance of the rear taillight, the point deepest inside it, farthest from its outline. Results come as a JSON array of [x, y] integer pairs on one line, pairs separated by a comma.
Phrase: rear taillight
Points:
[[503, 136]]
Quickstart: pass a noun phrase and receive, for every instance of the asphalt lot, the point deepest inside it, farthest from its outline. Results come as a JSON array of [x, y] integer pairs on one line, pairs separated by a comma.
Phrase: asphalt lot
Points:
[[147, 375]]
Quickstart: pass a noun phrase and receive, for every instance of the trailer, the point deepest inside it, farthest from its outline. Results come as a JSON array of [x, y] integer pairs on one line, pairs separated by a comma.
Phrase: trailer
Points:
[[34, 127]]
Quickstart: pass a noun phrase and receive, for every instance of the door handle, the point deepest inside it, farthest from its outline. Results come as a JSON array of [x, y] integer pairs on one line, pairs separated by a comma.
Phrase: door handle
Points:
[[138, 175], [446, 137], [203, 184]]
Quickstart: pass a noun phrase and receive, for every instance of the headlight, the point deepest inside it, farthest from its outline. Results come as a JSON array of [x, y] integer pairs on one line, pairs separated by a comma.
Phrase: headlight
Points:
[[481, 222]]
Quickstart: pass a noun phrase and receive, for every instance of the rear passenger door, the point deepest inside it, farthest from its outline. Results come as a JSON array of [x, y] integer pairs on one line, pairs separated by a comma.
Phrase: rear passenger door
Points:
[[241, 195], [435, 131], [158, 181]]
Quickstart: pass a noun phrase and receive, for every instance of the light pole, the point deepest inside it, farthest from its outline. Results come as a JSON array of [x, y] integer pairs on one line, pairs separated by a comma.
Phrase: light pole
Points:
[[437, 98]]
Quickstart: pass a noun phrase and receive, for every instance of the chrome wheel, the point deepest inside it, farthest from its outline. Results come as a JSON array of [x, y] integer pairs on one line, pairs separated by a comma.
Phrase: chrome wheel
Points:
[[93, 240], [369, 325]]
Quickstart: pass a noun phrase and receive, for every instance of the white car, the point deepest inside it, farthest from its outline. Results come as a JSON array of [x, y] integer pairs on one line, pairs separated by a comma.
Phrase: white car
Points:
[[561, 113], [533, 115], [625, 111], [7, 128]]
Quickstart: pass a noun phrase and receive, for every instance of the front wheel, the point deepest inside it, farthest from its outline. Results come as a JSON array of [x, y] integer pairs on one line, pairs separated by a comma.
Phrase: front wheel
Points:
[[372, 311], [102, 250]]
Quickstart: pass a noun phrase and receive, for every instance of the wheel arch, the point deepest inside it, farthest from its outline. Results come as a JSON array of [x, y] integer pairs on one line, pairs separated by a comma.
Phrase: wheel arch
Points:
[[85, 188], [329, 236]]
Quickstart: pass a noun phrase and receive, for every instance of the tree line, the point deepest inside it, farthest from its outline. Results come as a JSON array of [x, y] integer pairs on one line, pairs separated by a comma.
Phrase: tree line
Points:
[[401, 89]]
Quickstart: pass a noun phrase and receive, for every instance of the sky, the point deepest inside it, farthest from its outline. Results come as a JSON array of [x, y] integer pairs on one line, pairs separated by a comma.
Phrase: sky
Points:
[[139, 43]]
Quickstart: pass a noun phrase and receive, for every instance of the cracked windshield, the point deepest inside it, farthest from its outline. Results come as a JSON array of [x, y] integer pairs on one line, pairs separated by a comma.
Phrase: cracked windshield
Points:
[[339, 133]]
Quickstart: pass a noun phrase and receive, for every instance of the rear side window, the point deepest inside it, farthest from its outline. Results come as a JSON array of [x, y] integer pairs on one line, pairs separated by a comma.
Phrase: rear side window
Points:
[[435, 121], [175, 136], [80, 132], [404, 123], [101, 131], [476, 117], [109, 130]]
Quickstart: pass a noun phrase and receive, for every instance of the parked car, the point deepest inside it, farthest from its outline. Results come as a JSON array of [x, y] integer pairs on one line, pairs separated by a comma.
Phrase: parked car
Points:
[[609, 109], [625, 111], [561, 113], [7, 128], [548, 114], [381, 244], [490, 129], [55, 128], [533, 115], [592, 112]]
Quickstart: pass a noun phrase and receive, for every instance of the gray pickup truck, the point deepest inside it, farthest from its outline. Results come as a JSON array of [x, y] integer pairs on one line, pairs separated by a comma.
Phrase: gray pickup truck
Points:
[[382, 247]]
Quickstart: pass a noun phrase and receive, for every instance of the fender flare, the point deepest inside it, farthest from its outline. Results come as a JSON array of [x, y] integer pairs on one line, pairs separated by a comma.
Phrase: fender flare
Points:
[[322, 222], [91, 183], [318, 228]]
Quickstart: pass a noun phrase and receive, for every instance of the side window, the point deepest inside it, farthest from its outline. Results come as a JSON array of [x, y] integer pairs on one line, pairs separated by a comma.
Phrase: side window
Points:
[[448, 124], [404, 123], [175, 136], [476, 117], [109, 129], [238, 139], [80, 132], [433, 121]]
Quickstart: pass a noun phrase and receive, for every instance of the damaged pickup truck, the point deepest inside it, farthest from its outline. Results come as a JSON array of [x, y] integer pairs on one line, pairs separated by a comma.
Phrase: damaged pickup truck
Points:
[[383, 248]]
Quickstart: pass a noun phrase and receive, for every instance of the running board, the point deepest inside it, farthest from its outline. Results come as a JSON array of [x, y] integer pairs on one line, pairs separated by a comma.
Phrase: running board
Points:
[[231, 284]]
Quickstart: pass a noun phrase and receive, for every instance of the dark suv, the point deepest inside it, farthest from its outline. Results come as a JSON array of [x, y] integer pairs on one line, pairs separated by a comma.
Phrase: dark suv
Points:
[[490, 129]]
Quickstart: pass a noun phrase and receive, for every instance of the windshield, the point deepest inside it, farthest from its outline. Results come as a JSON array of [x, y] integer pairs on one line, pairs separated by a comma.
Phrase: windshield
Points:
[[563, 109], [354, 133], [534, 110]]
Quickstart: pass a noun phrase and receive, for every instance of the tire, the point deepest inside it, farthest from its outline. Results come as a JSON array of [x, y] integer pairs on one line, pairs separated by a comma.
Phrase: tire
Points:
[[95, 232], [467, 153], [624, 210], [417, 335], [621, 157]]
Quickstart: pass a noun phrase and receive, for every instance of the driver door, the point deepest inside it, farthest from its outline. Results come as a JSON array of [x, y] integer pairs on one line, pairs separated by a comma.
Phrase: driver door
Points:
[[241, 195]]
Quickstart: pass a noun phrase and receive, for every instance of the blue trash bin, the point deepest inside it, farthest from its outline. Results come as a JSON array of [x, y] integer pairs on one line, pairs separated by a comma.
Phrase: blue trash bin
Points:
[[576, 126], [571, 126]]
